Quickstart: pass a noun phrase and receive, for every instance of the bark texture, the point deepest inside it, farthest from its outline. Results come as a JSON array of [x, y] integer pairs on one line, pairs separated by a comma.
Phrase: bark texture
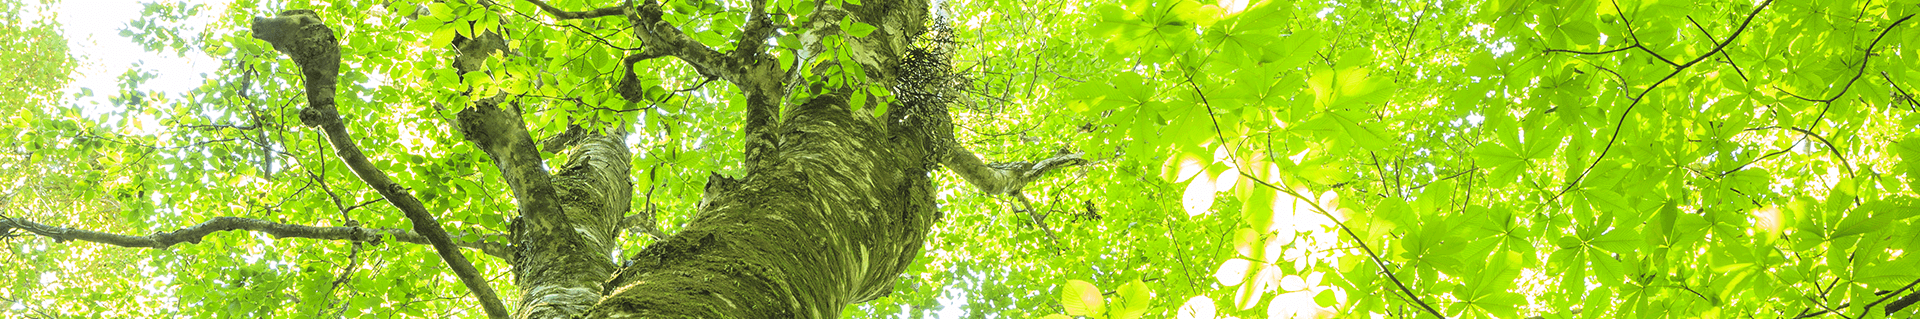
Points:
[[831, 217], [834, 206]]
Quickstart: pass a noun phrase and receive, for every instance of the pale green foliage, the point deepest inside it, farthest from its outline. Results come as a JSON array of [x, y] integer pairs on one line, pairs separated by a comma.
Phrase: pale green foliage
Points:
[[1498, 158], [1512, 159]]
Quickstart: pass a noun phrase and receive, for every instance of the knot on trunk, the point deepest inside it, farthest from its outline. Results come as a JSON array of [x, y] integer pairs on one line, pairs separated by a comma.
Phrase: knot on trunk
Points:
[[311, 44]]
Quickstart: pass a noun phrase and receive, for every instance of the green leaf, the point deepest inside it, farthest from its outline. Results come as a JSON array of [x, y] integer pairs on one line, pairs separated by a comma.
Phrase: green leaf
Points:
[[1909, 150], [1345, 87], [1081, 298], [1568, 242], [858, 100], [1363, 135], [1257, 211], [858, 29], [1505, 162], [1135, 297], [1859, 222], [1464, 143], [1326, 298], [442, 37], [440, 11]]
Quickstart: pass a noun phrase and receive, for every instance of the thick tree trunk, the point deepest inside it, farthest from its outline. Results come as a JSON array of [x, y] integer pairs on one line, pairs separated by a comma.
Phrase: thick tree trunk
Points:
[[834, 206], [828, 218]]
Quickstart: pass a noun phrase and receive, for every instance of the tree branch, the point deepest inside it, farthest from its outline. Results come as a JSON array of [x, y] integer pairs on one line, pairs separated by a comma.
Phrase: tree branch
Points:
[[502, 135], [1005, 178], [1897, 305], [1631, 47], [751, 41], [1863, 60], [488, 244], [1830, 148], [758, 76], [572, 15], [1902, 303], [1039, 219], [1911, 103], [667, 39], [575, 235], [1678, 68], [1723, 53], [1377, 261], [312, 46]]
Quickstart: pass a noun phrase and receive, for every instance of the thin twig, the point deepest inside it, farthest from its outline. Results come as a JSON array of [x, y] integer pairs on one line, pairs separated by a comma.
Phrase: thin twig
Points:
[[1615, 137], [1723, 54], [1316, 206], [1039, 220]]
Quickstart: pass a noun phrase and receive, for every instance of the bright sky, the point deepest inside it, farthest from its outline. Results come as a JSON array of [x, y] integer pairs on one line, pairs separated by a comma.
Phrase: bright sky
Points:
[[93, 29]]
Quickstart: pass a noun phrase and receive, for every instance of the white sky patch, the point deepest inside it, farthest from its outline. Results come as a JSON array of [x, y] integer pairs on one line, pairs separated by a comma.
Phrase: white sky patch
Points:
[[1232, 7], [92, 28]]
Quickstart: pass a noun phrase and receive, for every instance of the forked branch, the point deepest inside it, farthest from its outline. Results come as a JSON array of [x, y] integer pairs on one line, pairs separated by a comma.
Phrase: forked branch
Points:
[[664, 38], [312, 46], [1005, 178], [1677, 69], [758, 76]]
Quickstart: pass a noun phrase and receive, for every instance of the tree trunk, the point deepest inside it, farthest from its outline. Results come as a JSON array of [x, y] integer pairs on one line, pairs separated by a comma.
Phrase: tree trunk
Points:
[[829, 218], [835, 203]]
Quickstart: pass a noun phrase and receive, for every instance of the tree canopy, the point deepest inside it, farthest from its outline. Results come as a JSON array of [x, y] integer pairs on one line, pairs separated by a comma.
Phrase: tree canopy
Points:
[[1241, 159]]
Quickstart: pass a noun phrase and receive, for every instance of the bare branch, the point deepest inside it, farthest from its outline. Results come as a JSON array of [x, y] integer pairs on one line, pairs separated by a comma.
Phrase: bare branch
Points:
[[1039, 219], [758, 76], [312, 46], [488, 244], [502, 134], [1005, 178], [1902, 303], [666, 39], [572, 15]]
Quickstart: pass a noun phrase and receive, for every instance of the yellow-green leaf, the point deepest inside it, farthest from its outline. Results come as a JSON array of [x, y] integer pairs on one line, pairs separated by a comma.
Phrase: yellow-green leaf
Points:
[[1081, 298]]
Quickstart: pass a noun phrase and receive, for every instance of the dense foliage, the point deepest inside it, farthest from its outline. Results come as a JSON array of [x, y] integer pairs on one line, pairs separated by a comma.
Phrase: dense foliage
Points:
[[1497, 158]]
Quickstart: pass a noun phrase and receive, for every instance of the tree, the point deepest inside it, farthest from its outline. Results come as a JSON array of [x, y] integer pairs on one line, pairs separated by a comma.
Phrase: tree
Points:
[[778, 158]]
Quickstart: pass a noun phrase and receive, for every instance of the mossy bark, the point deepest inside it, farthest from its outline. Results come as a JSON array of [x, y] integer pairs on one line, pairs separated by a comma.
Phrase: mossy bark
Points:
[[834, 206], [829, 217]]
